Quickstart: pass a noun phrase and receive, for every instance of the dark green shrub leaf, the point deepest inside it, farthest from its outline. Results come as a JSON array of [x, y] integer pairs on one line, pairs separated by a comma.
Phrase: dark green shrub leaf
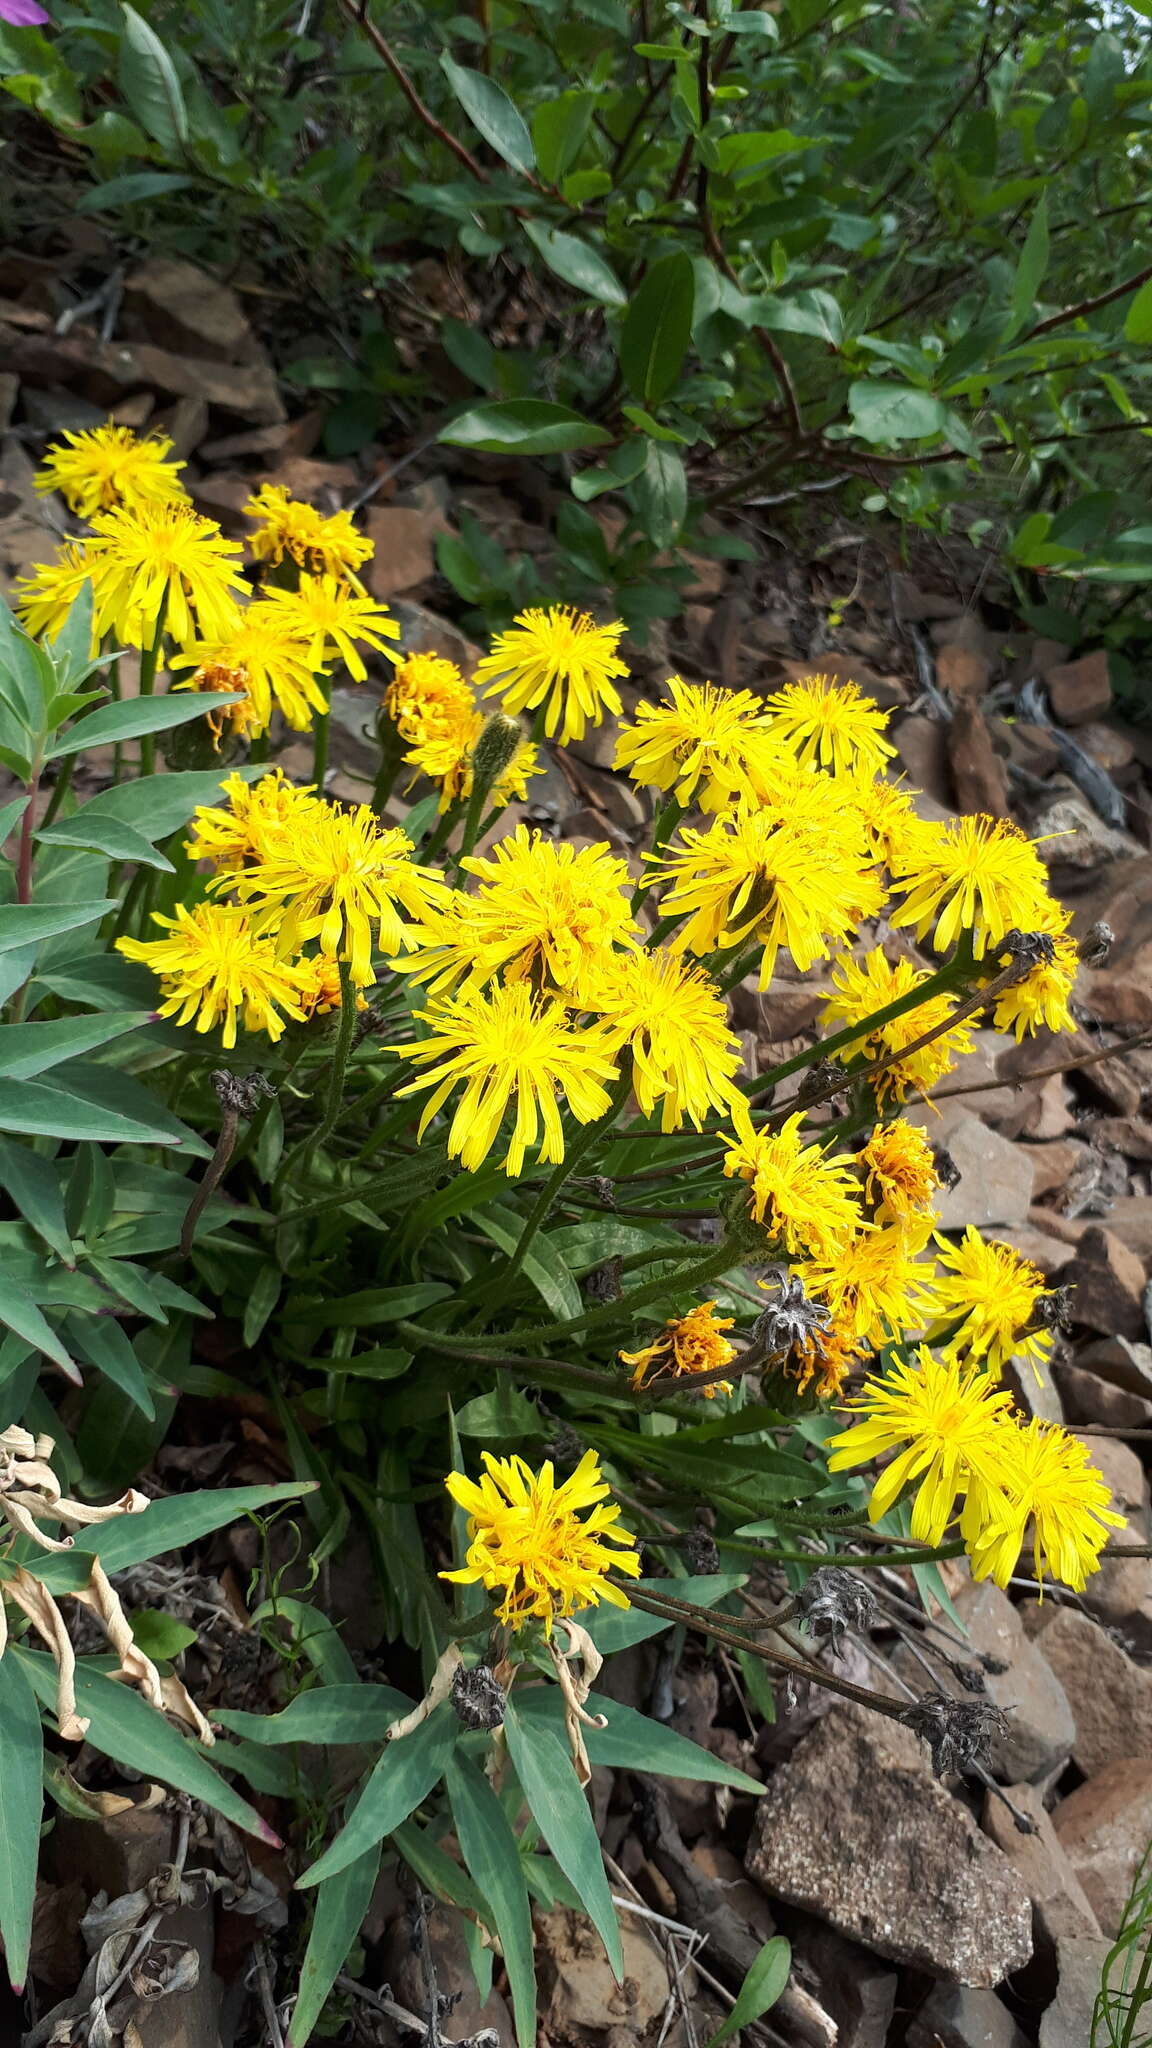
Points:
[[1138, 319], [662, 495], [160, 1635], [578, 264], [559, 130], [30, 1049], [893, 412], [657, 328], [492, 113], [150, 84], [523, 426]]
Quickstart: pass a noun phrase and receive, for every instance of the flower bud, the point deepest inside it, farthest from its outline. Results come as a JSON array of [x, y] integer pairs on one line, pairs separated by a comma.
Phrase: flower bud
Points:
[[495, 750]]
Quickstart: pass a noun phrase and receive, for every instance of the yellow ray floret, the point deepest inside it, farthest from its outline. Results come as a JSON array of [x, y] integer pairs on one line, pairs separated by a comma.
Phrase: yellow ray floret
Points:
[[697, 747], [102, 468], [509, 1050], [1049, 1481], [216, 967], [942, 1422], [976, 875], [559, 661], [163, 561], [340, 878], [832, 723], [691, 1343], [763, 875], [861, 988], [274, 661], [327, 544], [674, 1021], [549, 912], [995, 1294], [900, 1170], [530, 1539], [331, 618], [807, 1202]]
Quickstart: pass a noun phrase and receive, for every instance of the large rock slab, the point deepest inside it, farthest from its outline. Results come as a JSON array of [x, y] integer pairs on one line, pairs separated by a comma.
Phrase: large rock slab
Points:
[[856, 1829], [1068, 2020], [1060, 1905], [955, 2016], [1104, 1827], [996, 1177], [1040, 1729], [1110, 1696]]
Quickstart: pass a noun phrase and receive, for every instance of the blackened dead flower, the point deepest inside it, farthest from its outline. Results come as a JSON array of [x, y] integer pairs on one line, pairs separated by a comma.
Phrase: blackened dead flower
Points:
[[958, 1732], [833, 1600]]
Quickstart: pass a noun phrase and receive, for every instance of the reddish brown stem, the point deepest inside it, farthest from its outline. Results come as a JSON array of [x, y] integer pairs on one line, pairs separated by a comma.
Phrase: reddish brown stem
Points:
[[358, 13]]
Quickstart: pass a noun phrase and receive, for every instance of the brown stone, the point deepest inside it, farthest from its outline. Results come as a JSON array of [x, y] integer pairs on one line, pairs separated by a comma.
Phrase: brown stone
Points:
[[856, 1829], [1130, 1135], [1110, 1695], [963, 673], [1120, 1593], [996, 1177], [182, 307], [1113, 750], [582, 2002], [1059, 1901], [1121, 995], [911, 601], [425, 632], [854, 1988], [1120, 1362], [1080, 691], [956, 2016], [922, 744], [1087, 1398], [1109, 1282], [453, 1973], [979, 775], [405, 556], [1040, 1731], [1130, 1220], [1033, 1240], [222, 496], [1103, 1828], [185, 423], [1068, 2020], [1071, 837], [1053, 1165], [1031, 747], [106, 370]]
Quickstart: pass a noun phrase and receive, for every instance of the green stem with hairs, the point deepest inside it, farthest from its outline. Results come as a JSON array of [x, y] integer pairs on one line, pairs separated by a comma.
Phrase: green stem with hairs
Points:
[[667, 819], [320, 733], [149, 661]]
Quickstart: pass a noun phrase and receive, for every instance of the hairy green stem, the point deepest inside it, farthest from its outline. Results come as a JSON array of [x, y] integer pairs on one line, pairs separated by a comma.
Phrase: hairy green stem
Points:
[[149, 661], [320, 734]]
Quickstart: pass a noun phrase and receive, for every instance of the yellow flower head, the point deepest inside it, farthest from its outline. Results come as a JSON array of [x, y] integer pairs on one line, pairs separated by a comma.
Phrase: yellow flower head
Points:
[[548, 912], [561, 659], [45, 598], [887, 813], [1042, 995], [151, 558], [330, 617], [900, 1170], [508, 1048], [443, 752], [339, 876], [260, 821], [103, 468], [875, 1286], [806, 1201], [860, 989], [320, 991], [239, 717], [975, 874], [995, 1293], [426, 695], [1049, 1481], [215, 966], [696, 746], [761, 874], [944, 1418], [691, 1343], [274, 661], [821, 1362], [529, 1540], [675, 1022], [327, 545], [832, 723]]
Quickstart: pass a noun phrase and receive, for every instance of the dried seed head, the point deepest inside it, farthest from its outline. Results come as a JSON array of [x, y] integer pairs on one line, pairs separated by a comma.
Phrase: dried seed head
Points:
[[565, 1448], [700, 1552], [1051, 1311], [1096, 944], [957, 1732], [241, 1093], [599, 1186], [604, 1283], [947, 1171], [792, 1319], [478, 1700], [834, 1599], [1027, 950], [824, 1074]]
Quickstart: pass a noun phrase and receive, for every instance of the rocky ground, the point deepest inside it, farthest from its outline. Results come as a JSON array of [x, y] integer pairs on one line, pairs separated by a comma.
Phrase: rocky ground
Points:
[[924, 1913]]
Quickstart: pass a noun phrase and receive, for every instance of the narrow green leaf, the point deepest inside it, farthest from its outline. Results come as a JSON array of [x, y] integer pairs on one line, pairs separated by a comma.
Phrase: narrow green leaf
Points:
[[372, 1305], [1138, 319], [522, 426], [103, 1095], [503, 1416], [404, 1775], [11, 814], [34, 1185], [662, 494], [577, 263], [157, 805], [125, 1728], [341, 1903], [100, 1341], [557, 1803], [21, 1770], [129, 189], [136, 716], [19, 1312], [657, 328], [149, 82], [1030, 269], [633, 1742], [617, 1628], [25, 924], [437, 1870], [105, 835], [543, 1265], [760, 1990], [30, 1049], [328, 1714], [492, 113], [493, 1859], [171, 1524]]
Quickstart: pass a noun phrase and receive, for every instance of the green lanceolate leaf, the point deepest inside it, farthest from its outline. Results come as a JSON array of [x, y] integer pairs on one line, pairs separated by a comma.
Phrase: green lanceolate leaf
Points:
[[105, 835], [1138, 319], [19, 1312], [657, 328], [21, 1771], [330, 1713], [557, 1803], [157, 805], [34, 1185], [490, 1851], [760, 1990], [1031, 268], [30, 1049], [406, 1772], [492, 114], [25, 924], [171, 1524], [123, 1726], [661, 493], [341, 1903], [136, 716], [150, 84], [632, 1742], [100, 1341], [617, 1628], [523, 426]]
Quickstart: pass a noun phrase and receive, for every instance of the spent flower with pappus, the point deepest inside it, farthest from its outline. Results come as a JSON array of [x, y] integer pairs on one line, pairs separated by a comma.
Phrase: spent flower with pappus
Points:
[[560, 663], [101, 469], [687, 1344], [548, 1549]]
